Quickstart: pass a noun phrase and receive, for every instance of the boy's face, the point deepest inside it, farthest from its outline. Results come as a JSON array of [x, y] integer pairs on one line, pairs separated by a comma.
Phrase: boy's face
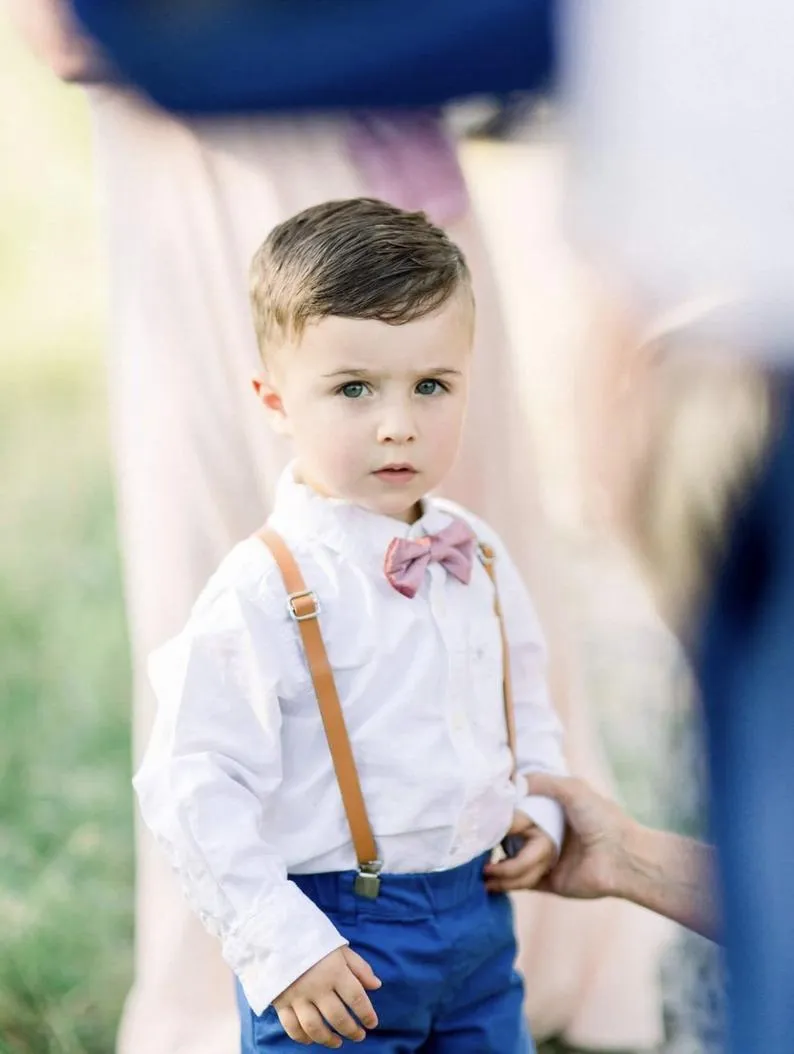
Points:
[[375, 410]]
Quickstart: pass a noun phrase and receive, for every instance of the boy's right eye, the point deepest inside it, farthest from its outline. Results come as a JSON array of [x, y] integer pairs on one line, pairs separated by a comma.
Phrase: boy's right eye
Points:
[[353, 390]]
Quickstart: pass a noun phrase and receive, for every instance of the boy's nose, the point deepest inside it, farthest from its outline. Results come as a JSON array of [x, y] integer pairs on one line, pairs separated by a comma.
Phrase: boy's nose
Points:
[[397, 426]]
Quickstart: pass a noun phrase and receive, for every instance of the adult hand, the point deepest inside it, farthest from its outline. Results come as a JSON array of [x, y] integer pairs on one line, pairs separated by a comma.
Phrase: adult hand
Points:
[[594, 851]]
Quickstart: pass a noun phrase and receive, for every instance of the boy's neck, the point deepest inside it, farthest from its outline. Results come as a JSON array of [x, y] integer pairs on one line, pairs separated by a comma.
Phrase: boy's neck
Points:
[[410, 516]]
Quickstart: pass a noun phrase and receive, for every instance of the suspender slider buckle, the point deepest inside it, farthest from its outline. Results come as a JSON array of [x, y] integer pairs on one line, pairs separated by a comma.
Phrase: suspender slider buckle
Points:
[[303, 605]]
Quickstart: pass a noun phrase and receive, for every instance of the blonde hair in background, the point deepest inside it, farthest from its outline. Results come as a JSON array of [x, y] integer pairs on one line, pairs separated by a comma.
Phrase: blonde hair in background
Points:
[[708, 426], [674, 431]]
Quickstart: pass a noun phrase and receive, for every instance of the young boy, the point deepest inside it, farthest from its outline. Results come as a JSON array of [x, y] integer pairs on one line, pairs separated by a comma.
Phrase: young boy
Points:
[[337, 749]]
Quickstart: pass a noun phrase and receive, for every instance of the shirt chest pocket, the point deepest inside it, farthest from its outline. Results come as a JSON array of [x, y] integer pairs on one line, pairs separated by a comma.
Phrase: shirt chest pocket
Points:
[[347, 630], [350, 643], [485, 672], [483, 630], [350, 651]]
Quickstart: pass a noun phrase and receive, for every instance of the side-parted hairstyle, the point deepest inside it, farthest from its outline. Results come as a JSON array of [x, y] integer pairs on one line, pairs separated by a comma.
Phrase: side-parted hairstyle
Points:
[[358, 258]]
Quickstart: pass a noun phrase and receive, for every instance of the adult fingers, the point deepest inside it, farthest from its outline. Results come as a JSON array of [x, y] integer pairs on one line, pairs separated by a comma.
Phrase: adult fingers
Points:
[[562, 788]]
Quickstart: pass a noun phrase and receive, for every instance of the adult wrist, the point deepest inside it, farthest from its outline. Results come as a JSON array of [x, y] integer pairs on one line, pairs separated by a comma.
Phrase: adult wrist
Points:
[[633, 855]]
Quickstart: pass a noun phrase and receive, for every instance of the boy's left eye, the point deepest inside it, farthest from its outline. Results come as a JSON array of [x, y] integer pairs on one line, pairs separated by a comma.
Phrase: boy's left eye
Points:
[[429, 387], [353, 390]]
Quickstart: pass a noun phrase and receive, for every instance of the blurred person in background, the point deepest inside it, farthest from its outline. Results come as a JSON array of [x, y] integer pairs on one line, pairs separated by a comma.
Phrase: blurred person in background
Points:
[[697, 431], [681, 189], [187, 201]]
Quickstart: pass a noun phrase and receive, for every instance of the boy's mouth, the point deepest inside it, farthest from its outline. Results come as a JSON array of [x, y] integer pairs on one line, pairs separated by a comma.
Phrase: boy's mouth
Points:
[[397, 473]]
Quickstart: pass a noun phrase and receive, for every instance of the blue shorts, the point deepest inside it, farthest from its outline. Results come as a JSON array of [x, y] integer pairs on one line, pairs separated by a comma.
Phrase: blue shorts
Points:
[[444, 949]]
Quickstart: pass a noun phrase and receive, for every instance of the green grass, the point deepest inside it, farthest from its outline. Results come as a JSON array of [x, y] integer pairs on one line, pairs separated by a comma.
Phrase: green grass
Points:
[[65, 804]]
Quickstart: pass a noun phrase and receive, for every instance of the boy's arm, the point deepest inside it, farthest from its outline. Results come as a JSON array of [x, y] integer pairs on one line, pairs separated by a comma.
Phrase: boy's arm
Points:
[[539, 733], [213, 760]]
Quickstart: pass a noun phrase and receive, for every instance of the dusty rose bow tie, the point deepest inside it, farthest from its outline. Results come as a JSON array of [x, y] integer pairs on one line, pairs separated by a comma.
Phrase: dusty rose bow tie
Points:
[[407, 558]]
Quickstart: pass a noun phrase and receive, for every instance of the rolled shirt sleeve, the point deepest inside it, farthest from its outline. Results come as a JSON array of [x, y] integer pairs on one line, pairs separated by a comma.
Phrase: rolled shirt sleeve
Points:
[[213, 761]]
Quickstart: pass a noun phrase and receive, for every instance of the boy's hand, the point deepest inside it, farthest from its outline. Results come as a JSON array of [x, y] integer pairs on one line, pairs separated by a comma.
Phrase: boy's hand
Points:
[[525, 870], [329, 991]]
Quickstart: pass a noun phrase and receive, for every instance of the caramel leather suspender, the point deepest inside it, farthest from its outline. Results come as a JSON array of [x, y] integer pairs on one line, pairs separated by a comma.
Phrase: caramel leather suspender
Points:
[[488, 558], [304, 607]]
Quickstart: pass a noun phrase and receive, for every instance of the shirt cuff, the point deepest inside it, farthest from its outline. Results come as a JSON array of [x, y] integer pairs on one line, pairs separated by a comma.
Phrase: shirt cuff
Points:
[[547, 814], [286, 937]]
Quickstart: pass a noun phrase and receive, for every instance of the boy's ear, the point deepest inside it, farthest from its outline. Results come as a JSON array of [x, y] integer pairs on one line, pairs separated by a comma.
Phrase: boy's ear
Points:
[[269, 397]]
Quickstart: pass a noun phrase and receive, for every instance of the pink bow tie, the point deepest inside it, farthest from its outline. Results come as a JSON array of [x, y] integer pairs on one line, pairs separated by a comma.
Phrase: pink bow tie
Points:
[[407, 558]]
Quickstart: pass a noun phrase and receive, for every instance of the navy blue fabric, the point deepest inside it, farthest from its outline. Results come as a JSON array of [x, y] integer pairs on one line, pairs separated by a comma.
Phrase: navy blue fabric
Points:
[[747, 680], [444, 950], [233, 55]]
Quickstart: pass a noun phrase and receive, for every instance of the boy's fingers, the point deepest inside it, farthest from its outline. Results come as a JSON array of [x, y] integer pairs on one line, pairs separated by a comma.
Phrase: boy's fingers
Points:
[[315, 1028], [339, 1017], [534, 853], [361, 969], [291, 1025], [354, 996], [527, 880]]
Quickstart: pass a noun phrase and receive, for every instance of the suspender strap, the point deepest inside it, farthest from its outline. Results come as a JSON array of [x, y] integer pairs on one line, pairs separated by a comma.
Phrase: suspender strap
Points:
[[487, 557], [304, 608]]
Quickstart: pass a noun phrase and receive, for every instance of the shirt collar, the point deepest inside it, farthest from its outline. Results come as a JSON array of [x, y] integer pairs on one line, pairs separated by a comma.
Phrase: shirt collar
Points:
[[358, 533]]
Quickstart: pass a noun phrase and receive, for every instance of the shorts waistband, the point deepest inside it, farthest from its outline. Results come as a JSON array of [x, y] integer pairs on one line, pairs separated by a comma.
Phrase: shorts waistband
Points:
[[401, 896]]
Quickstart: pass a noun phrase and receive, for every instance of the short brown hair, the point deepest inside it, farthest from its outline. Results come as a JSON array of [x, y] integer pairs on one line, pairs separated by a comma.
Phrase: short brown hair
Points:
[[358, 258]]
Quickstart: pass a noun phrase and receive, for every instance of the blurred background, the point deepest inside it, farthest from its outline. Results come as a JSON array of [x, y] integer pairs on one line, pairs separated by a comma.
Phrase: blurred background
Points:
[[65, 821], [65, 816], [66, 866]]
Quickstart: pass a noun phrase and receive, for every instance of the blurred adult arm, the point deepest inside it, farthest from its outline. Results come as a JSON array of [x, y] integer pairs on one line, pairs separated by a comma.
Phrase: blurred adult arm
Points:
[[50, 30], [237, 55], [607, 854]]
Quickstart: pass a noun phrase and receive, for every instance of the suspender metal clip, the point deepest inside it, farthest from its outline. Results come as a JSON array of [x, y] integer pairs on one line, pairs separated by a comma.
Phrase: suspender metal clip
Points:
[[367, 882]]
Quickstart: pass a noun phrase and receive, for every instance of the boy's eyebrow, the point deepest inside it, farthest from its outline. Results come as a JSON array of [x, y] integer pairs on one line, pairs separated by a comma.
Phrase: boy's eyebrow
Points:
[[348, 372], [437, 371]]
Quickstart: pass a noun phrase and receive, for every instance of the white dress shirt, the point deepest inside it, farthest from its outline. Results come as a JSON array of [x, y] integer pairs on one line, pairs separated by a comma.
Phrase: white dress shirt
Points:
[[237, 782]]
